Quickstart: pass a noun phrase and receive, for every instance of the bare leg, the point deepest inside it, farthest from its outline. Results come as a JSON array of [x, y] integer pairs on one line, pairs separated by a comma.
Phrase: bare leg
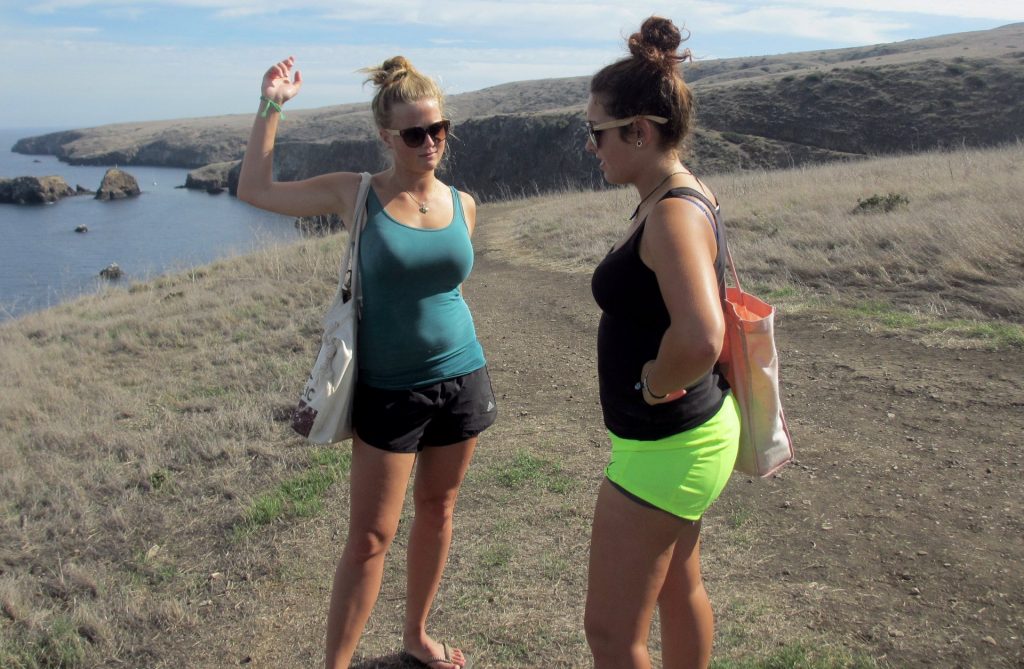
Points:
[[630, 551], [379, 480], [439, 473], [687, 622]]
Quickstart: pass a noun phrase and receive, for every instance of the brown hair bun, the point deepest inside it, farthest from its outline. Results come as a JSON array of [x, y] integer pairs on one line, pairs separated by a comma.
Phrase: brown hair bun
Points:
[[649, 81], [657, 43]]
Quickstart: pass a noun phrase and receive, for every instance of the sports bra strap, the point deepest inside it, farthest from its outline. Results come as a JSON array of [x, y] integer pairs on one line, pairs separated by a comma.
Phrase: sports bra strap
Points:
[[710, 209], [711, 212]]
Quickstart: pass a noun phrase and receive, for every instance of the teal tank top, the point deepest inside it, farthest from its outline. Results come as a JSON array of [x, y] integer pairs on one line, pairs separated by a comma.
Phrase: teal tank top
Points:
[[415, 329]]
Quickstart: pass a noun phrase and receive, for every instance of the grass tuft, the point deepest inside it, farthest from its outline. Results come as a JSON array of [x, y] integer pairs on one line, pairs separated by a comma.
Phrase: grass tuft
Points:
[[298, 497], [57, 645], [799, 656], [881, 203], [526, 470]]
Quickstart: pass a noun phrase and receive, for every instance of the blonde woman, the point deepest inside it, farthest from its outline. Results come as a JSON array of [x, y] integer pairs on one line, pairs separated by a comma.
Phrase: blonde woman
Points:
[[672, 421], [424, 394]]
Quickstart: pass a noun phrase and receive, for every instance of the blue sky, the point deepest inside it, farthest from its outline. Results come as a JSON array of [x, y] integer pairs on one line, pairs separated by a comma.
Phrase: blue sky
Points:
[[81, 63]]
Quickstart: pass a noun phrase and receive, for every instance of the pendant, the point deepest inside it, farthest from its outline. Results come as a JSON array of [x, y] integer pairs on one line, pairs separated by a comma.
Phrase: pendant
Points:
[[423, 208]]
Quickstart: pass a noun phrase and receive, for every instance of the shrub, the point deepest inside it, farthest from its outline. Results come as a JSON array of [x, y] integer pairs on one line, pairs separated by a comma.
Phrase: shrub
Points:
[[975, 82], [881, 203]]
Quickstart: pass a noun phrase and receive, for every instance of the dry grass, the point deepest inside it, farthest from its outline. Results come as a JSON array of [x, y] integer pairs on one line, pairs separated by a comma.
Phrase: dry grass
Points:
[[951, 259], [139, 428], [155, 509]]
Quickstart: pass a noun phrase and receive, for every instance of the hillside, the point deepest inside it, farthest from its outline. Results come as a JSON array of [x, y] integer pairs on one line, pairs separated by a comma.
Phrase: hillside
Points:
[[159, 512], [770, 111]]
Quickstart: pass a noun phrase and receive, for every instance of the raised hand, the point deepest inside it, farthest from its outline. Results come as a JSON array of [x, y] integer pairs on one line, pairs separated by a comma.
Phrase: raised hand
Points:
[[278, 84]]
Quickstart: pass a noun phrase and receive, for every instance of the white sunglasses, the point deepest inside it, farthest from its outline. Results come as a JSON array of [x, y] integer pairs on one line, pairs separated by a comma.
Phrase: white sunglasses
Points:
[[594, 131]]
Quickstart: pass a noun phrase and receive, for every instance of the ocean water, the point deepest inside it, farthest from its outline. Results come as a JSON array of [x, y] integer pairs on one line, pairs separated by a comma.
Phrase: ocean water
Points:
[[43, 261]]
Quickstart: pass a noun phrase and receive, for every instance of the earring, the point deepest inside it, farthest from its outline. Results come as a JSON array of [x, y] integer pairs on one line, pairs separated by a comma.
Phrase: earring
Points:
[[639, 143]]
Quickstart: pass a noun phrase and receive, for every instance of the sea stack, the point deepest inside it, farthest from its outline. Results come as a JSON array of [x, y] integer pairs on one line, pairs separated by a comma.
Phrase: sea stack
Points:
[[117, 185]]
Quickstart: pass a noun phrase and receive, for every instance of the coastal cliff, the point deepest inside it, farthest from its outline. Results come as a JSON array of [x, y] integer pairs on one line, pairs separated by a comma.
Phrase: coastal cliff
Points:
[[527, 137]]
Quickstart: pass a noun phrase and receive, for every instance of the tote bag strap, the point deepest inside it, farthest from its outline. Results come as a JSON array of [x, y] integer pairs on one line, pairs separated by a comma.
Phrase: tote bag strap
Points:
[[347, 281], [710, 211]]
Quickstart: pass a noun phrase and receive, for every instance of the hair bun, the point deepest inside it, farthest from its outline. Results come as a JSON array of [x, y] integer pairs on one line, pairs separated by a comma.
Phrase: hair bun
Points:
[[390, 71], [657, 43]]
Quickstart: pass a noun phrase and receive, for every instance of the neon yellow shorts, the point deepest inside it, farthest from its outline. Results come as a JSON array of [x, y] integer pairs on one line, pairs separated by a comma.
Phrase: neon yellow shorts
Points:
[[681, 474]]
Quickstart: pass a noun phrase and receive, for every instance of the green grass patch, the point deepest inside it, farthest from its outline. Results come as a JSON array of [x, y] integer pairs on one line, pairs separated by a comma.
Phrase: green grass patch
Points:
[[799, 656], [886, 315], [881, 203], [497, 556], [998, 334], [526, 470], [300, 496], [57, 645], [771, 293], [738, 517], [160, 478]]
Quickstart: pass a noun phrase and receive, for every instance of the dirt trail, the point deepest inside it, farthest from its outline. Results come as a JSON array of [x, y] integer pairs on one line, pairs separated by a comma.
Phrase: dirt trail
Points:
[[900, 528], [898, 533]]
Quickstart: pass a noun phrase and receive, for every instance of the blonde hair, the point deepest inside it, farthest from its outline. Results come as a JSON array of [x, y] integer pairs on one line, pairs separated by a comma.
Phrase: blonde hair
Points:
[[397, 81]]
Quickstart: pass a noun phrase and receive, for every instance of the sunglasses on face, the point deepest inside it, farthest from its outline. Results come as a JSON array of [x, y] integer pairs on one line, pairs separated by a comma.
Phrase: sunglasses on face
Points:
[[594, 131], [415, 136]]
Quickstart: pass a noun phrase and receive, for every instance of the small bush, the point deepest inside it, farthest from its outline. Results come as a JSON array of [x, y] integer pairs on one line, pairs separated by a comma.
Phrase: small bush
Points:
[[975, 82], [881, 203]]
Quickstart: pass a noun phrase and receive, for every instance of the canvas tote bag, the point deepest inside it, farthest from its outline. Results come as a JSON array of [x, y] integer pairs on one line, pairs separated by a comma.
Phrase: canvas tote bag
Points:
[[324, 411], [750, 363]]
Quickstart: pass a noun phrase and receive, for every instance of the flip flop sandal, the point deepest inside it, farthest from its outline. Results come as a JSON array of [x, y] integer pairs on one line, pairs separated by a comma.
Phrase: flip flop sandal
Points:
[[447, 658]]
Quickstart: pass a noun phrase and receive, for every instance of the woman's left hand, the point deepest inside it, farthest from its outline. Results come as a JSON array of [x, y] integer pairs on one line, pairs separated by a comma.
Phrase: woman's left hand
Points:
[[646, 390]]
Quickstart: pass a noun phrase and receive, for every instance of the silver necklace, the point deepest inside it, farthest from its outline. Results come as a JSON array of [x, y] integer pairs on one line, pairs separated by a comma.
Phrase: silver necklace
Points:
[[423, 205], [653, 191]]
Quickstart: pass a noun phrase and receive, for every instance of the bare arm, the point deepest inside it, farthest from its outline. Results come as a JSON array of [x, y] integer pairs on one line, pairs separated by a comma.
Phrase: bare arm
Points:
[[324, 194], [679, 246]]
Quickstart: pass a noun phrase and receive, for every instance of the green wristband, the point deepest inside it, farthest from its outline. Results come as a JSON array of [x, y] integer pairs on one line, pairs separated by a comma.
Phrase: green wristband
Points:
[[270, 103]]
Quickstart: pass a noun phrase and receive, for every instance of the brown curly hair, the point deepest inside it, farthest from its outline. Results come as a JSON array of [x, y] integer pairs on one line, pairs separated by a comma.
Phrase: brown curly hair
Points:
[[649, 81]]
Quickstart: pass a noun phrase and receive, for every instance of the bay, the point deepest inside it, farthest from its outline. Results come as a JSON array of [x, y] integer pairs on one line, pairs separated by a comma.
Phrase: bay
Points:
[[166, 229]]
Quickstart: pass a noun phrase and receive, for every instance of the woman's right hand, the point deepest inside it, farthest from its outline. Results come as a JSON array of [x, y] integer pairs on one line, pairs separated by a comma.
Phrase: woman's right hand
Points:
[[278, 84]]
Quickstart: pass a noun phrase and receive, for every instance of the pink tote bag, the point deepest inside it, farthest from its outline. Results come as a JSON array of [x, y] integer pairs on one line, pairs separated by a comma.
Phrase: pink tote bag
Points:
[[750, 363]]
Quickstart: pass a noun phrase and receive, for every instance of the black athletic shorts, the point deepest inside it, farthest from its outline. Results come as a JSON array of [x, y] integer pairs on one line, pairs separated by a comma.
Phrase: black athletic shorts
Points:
[[439, 414]]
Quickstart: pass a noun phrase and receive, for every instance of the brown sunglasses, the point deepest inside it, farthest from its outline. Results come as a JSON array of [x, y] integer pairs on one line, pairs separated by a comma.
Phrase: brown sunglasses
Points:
[[415, 136]]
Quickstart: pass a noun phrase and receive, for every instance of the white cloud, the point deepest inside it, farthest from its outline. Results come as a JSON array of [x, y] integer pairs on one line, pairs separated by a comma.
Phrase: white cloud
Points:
[[997, 10], [80, 84], [514, 13], [805, 23], [85, 76]]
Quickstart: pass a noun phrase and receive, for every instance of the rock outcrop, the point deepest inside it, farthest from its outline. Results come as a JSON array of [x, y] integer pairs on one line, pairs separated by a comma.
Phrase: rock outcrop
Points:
[[117, 185], [211, 176], [34, 190], [111, 272]]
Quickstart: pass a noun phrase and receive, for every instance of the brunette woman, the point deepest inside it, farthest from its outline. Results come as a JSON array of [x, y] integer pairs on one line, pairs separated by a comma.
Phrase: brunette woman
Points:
[[673, 424], [423, 393]]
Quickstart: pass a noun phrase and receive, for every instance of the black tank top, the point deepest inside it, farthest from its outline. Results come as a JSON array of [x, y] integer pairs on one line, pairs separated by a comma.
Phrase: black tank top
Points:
[[633, 320]]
